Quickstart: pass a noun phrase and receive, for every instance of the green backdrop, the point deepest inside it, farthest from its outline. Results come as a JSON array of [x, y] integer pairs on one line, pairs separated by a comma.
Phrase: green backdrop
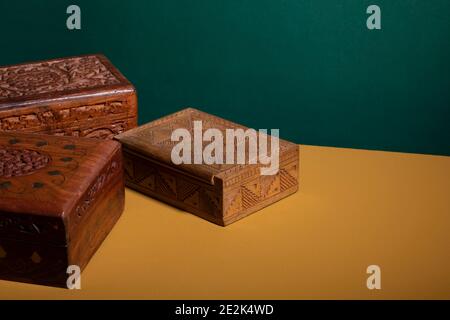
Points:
[[308, 67]]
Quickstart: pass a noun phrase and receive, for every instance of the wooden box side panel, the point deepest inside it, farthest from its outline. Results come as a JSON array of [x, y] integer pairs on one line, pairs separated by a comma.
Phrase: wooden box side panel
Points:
[[36, 263], [248, 191], [32, 228], [92, 117], [175, 188], [96, 213]]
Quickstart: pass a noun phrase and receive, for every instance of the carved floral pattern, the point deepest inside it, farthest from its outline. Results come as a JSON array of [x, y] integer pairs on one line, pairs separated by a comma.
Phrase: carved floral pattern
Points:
[[54, 75], [19, 162], [24, 157], [98, 185]]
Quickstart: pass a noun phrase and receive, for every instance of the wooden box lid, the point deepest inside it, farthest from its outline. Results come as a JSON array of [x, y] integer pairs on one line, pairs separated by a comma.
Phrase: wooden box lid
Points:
[[62, 79], [153, 140], [42, 179]]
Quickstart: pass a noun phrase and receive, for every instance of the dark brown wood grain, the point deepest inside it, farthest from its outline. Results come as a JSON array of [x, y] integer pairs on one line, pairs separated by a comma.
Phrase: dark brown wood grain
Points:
[[83, 96], [59, 212], [220, 193]]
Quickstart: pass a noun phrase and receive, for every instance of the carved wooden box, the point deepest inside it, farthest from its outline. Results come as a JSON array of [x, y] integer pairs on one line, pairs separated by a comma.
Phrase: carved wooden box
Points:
[[220, 193], [59, 199], [83, 96]]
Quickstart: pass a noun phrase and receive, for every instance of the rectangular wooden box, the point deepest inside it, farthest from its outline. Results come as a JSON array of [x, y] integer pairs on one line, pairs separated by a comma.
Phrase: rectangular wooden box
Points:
[[83, 96], [220, 193], [59, 199]]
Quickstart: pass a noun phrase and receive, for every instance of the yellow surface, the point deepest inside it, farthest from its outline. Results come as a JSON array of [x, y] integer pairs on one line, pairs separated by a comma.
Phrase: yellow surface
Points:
[[354, 208]]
